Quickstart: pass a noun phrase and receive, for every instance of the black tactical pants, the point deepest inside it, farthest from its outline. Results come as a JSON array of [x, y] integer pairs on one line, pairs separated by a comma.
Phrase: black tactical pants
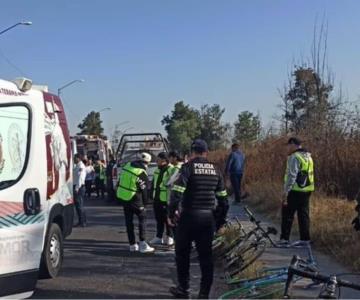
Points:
[[296, 202], [129, 211], [198, 226], [161, 215]]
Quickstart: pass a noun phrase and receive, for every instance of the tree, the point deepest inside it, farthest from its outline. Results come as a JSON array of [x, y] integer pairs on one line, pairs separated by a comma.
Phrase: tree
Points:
[[247, 128], [91, 124], [182, 126], [212, 130], [308, 102]]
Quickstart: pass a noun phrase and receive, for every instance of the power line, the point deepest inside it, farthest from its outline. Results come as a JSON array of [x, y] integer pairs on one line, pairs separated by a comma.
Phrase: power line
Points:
[[10, 63]]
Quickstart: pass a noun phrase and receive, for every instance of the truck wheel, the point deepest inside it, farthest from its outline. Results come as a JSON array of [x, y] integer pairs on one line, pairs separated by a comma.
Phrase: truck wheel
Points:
[[52, 256]]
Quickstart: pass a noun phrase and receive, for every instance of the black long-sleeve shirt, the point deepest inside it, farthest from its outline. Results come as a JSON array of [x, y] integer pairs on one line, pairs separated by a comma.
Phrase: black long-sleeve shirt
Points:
[[199, 185]]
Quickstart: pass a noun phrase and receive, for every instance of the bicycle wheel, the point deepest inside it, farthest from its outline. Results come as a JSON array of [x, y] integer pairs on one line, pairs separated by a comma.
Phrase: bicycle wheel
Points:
[[226, 247], [267, 274], [264, 290], [246, 257]]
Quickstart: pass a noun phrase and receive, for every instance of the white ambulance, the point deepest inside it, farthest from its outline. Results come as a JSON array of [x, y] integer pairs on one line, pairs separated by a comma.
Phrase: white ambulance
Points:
[[36, 201]]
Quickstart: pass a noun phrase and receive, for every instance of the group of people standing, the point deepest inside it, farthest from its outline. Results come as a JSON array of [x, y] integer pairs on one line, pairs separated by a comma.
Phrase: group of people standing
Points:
[[134, 193], [190, 204], [89, 177]]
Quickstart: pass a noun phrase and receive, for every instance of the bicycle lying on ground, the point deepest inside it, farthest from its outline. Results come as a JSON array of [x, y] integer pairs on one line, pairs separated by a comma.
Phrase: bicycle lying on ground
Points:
[[249, 248], [332, 283], [269, 284]]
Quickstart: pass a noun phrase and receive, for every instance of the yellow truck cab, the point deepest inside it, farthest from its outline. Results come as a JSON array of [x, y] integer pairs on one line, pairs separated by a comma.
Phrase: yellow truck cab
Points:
[[36, 200]]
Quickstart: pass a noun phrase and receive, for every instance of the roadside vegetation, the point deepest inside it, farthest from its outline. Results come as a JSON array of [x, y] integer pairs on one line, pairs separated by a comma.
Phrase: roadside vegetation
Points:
[[313, 107]]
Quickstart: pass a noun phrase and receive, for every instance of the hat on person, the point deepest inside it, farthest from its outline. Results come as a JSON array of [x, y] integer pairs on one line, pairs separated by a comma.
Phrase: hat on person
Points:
[[199, 145], [145, 157], [163, 155], [294, 141]]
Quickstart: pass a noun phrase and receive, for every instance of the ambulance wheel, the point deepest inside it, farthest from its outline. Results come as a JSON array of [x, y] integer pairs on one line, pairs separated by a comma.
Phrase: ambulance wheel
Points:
[[52, 256]]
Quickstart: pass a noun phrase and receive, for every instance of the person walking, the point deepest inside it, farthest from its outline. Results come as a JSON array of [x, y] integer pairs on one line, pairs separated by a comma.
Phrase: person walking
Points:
[[160, 193], [298, 186], [79, 190], [199, 185], [235, 169], [132, 192]]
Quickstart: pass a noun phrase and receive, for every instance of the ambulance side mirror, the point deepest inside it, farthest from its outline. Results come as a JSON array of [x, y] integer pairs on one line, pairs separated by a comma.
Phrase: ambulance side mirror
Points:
[[32, 202]]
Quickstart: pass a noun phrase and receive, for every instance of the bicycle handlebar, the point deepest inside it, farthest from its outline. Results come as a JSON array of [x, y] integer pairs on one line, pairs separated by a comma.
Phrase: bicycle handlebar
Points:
[[314, 275], [266, 233]]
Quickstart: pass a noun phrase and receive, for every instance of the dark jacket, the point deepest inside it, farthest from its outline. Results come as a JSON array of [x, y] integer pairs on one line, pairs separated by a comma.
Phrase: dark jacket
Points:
[[199, 185], [235, 163]]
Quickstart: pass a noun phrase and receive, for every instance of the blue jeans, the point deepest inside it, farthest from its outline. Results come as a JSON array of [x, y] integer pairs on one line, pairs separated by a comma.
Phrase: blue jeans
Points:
[[79, 204], [236, 184]]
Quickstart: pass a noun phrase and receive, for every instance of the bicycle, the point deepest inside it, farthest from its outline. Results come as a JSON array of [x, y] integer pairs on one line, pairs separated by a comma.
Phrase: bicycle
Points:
[[332, 285], [271, 282], [224, 241], [221, 240], [250, 248]]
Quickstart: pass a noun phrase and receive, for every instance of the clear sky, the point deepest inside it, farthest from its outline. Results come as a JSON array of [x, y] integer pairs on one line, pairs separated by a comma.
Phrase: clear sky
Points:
[[140, 57]]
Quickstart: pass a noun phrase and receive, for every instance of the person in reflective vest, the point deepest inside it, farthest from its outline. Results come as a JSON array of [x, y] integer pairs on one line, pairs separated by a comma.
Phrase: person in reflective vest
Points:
[[176, 161], [160, 194], [132, 192], [299, 183], [99, 178], [201, 193]]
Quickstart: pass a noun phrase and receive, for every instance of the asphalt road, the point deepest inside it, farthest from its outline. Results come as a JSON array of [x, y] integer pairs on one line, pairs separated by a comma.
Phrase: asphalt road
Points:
[[98, 264]]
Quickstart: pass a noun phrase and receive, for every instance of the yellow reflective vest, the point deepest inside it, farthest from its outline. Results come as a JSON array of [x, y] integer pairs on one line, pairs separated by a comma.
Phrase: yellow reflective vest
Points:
[[306, 167], [128, 182], [164, 190]]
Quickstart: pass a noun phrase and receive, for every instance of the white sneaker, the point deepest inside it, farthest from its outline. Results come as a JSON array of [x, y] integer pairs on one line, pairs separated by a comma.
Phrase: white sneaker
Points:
[[134, 248], [283, 243], [145, 248], [169, 241], [300, 243], [156, 241]]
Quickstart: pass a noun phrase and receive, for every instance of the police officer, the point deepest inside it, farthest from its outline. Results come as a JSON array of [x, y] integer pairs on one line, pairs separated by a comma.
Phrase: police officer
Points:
[[200, 182], [132, 191]]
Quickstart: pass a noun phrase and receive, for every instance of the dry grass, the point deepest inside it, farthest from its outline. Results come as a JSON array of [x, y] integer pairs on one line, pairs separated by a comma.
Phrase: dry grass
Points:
[[331, 228], [337, 175]]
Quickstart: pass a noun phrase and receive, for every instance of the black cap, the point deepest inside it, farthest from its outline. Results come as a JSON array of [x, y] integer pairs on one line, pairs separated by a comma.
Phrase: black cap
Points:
[[173, 153], [163, 155], [294, 141], [199, 145]]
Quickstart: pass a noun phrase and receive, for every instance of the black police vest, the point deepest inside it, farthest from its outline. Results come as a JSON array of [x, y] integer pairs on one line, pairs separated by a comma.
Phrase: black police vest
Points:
[[201, 186]]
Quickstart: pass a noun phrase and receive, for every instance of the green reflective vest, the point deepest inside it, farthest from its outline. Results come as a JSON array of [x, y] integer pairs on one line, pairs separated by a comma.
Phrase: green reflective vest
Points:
[[164, 190], [176, 167], [127, 183], [306, 166], [100, 171]]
